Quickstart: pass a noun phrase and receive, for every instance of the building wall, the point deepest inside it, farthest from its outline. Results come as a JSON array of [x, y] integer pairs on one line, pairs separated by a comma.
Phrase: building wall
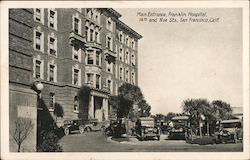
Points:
[[23, 100], [66, 38]]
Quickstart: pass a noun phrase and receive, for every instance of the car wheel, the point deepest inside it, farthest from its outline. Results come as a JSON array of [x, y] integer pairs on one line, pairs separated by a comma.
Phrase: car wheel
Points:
[[88, 129], [158, 138], [142, 136], [66, 131], [235, 138], [81, 129]]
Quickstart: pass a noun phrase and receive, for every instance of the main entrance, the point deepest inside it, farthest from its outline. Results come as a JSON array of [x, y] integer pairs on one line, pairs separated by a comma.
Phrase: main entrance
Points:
[[98, 106]]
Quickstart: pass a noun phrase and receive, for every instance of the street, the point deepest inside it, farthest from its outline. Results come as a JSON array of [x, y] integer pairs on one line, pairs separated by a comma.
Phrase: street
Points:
[[96, 142]]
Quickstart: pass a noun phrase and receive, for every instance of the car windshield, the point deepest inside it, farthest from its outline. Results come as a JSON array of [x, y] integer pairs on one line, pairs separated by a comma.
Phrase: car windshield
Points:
[[232, 125], [147, 123]]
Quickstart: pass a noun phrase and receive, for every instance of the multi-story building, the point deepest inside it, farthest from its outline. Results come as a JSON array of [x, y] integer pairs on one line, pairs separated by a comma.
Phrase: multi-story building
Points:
[[82, 46], [64, 49], [22, 99]]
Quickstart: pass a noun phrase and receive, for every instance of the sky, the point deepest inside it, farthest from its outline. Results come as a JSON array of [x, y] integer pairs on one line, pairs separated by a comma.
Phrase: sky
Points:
[[189, 60]]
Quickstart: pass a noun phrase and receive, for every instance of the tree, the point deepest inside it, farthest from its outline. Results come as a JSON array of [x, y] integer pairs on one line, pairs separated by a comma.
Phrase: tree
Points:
[[196, 108], [169, 116], [221, 110], [23, 127], [144, 108], [133, 94], [58, 111], [128, 96]]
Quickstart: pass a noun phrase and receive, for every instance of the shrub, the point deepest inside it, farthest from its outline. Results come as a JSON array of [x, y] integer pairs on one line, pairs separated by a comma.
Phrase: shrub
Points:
[[49, 143]]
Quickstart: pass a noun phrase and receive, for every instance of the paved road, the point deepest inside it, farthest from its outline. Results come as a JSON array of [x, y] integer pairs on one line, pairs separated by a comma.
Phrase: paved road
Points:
[[96, 142]]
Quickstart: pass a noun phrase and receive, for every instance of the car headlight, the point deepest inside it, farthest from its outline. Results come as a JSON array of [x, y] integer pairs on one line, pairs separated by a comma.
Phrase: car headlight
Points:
[[181, 129]]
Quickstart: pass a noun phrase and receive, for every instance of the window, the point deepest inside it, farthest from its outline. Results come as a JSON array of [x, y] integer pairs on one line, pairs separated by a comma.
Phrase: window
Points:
[[38, 69], [126, 57], [121, 73], [91, 35], [126, 76], [97, 58], [121, 51], [86, 32], [39, 15], [76, 104], [90, 78], [51, 73], [76, 53], [126, 41], [90, 58], [97, 81], [51, 101], [109, 43], [96, 17], [38, 40], [76, 25], [133, 59], [76, 77], [132, 44], [109, 24], [96, 36], [52, 46], [120, 38], [133, 78], [109, 67], [109, 85], [52, 15]]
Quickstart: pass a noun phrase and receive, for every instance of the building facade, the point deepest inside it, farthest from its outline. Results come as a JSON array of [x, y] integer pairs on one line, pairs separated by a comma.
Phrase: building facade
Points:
[[22, 99], [64, 49], [82, 46]]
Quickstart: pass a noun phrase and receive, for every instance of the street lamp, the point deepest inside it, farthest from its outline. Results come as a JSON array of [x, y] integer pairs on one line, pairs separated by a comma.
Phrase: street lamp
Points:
[[38, 87]]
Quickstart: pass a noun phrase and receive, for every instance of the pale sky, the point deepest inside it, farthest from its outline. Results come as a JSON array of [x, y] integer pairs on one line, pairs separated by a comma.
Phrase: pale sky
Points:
[[189, 60]]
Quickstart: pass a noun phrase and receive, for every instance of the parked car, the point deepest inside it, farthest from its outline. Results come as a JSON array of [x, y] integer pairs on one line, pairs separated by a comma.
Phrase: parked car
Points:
[[229, 130], [115, 129], [95, 125], [73, 125], [145, 128], [179, 127]]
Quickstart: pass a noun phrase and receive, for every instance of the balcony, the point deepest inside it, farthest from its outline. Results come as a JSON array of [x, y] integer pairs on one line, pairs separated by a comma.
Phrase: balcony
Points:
[[110, 55], [93, 44], [76, 38]]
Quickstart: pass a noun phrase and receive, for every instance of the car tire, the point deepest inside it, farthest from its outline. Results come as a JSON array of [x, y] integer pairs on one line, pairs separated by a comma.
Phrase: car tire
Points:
[[81, 129], [142, 137], [158, 138], [87, 129], [66, 131]]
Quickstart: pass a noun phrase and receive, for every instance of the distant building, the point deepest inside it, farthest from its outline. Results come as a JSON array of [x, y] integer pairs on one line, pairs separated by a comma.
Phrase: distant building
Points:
[[65, 49]]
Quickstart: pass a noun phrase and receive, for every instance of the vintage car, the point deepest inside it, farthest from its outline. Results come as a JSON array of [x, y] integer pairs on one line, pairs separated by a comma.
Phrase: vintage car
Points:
[[95, 125], [145, 128], [229, 130], [115, 129], [179, 127], [73, 125]]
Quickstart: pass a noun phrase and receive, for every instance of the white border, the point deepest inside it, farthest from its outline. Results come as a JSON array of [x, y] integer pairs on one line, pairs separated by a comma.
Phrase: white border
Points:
[[121, 155]]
